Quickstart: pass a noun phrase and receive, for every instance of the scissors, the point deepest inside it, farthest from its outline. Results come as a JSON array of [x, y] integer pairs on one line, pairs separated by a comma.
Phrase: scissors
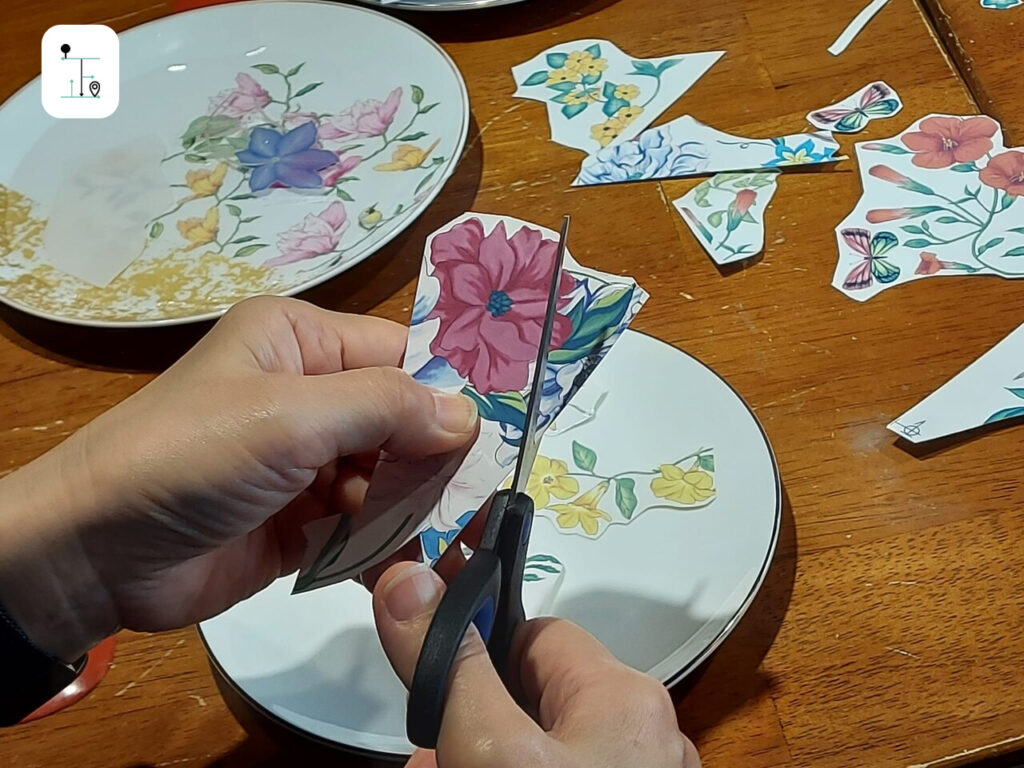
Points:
[[488, 591]]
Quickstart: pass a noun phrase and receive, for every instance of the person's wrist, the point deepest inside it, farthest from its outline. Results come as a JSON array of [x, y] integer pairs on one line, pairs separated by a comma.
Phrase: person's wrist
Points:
[[48, 584]]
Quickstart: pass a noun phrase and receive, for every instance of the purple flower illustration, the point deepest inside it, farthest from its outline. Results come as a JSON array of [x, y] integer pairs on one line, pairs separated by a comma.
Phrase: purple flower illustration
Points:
[[289, 159]]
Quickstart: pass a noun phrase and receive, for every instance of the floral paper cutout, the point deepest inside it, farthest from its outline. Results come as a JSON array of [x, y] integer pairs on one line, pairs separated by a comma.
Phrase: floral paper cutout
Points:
[[1000, 5], [687, 147], [989, 390], [726, 213], [476, 321], [596, 95], [940, 198], [872, 102]]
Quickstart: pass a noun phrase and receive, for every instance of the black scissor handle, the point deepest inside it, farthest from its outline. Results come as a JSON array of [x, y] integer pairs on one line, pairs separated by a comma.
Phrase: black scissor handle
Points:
[[472, 592]]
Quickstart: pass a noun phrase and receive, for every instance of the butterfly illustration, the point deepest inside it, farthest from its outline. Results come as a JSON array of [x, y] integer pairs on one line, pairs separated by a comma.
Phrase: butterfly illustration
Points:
[[874, 102], [874, 267]]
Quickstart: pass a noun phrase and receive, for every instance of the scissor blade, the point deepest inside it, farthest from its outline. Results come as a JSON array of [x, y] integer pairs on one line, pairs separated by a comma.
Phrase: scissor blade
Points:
[[528, 444]]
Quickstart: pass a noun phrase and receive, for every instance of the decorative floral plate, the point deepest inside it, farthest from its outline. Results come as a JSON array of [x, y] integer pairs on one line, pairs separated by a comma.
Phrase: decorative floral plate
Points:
[[257, 148], [440, 5], [659, 505]]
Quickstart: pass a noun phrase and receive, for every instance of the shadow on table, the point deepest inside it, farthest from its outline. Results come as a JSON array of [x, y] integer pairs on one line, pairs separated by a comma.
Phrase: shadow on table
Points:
[[502, 21], [732, 676], [357, 290]]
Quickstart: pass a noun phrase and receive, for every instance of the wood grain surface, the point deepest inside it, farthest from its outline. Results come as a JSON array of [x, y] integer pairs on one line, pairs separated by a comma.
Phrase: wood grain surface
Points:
[[889, 630], [986, 45]]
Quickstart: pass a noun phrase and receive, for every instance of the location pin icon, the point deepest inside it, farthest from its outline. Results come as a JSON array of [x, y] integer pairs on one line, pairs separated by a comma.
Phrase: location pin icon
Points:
[[94, 87]]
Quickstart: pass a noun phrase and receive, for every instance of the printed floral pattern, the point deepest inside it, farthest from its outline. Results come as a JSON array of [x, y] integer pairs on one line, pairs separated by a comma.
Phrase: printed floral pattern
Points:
[[243, 152], [729, 204], [939, 225], [621, 497]]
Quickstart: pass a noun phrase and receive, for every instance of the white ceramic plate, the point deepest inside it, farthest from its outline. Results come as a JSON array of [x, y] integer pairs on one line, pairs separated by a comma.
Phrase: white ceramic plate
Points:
[[184, 184], [662, 591]]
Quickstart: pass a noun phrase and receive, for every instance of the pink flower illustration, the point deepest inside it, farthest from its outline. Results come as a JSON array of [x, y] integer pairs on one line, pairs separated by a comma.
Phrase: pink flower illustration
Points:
[[493, 296], [881, 215], [345, 165], [744, 199], [885, 173], [294, 119], [313, 236], [362, 120], [944, 141], [244, 100], [1005, 172]]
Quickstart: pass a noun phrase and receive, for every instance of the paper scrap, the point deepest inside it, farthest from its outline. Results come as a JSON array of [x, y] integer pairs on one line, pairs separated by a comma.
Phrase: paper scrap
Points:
[[97, 224], [989, 390], [853, 113], [941, 198], [597, 95], [854, 27], [476, 320], [726, 213], [687, 147], [1001, 5]]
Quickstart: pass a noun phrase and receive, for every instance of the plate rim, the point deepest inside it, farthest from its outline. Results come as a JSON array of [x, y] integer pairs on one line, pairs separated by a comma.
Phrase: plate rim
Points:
[[441, 5], [328, 275], [668, 682]]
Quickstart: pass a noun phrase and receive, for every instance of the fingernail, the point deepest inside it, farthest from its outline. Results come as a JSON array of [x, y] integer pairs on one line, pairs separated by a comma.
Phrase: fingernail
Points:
[[414, 592], [455, 413]]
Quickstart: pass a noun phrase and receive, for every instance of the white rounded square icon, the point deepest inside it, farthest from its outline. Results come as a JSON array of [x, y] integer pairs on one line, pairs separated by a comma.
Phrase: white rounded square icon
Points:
[[80, 71]]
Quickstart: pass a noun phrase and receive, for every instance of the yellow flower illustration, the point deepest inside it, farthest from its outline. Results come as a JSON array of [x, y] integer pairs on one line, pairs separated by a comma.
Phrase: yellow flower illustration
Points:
[[200, 231], [563, 76], [550, 477], [683, 486], [577, 60], [205, 183], [607, 132], [593, 67], [406, 157], [627, 115], [626, 92], [583, 512], [580, 97]]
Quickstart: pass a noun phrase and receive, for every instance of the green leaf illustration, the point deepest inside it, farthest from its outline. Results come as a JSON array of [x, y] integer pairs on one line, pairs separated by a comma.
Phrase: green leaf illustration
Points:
[[1018, 230], [571, 110], [748, 217], [306, 89], [412, 136], [244, 239], [295, 70], [608, 90], [543, 559], [537, 78], [209, 127], [1006, 413], [156, 230], [1014, 252], [234, 210], [667, 65], [191, 157], [424, 181], [613, 105], [964, 168], [429, 107], [591, 79], [556, 60], [913, 229], [1016, 392], [948, 220], [417, 94], [246, 196], [249, 250], [706, 461], [644, 68], [625, 496], [343, 195], [267, 69], [1007, 201], [602, 319], [594, 50], [563, 87], [530, 577], [583, 457], [715, 219], [917, 243], [891, 149], [990, 244]]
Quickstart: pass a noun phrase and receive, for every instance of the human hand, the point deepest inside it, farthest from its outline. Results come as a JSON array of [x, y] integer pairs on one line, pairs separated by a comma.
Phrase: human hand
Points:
[[191, 494], [587, 709]]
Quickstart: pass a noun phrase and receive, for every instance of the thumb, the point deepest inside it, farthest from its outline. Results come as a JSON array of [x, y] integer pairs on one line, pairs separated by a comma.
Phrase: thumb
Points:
[[482, 725], [367, 409]]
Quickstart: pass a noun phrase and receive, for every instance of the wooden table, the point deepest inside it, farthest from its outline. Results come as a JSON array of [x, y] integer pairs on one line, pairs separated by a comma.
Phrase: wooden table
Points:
[[889, 630]]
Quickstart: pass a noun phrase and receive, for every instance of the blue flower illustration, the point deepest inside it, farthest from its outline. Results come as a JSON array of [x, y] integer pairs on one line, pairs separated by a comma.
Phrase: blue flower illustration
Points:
[[1000, 5], [799, 155], [435, 542], [652, 155], [286, 158]]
